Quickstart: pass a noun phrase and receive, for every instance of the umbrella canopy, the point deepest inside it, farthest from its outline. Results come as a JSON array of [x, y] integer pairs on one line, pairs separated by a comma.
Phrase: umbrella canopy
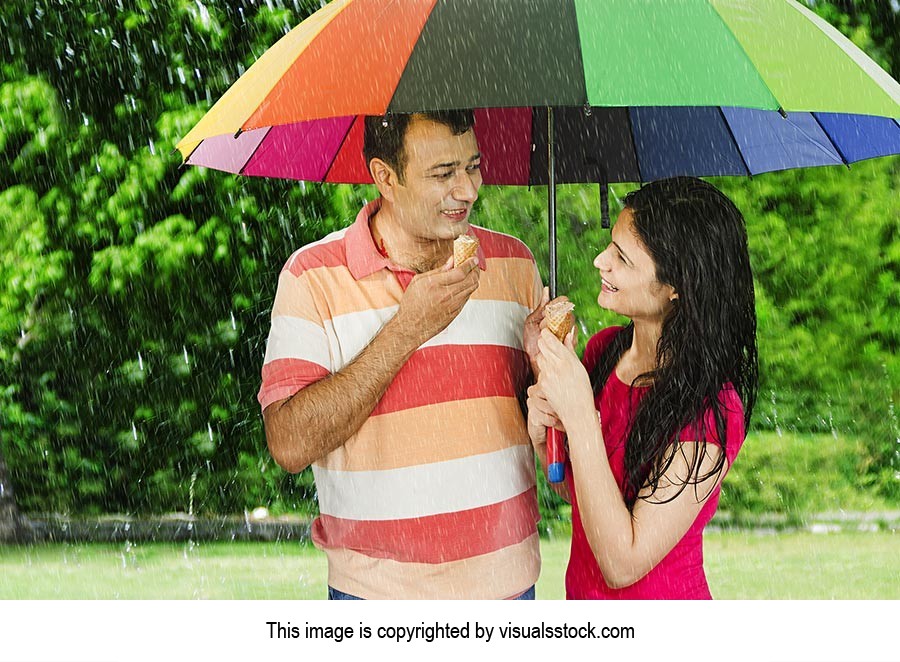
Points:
[[640, 90]]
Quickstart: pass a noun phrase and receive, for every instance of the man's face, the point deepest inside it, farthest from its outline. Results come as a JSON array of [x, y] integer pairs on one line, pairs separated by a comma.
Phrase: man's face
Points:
[[440, 182]]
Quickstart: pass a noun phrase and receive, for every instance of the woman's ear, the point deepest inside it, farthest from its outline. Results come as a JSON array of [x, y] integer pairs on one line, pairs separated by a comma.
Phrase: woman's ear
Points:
[[385, 178]]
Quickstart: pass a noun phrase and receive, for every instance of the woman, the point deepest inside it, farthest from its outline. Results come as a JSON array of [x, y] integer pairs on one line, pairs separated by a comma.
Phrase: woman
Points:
[[657, 412]]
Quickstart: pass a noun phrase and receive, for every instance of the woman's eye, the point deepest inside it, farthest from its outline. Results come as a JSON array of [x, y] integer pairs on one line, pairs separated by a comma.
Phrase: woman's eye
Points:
[[474, 167]]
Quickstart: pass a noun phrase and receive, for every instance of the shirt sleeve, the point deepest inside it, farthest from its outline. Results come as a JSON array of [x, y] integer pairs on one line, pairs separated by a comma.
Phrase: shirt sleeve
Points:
[[733, 412], [297, 351]]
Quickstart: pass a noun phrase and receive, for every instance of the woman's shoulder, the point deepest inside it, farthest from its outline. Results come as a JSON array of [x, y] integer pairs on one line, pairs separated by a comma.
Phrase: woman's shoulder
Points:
[[731, 409], [597, 343]]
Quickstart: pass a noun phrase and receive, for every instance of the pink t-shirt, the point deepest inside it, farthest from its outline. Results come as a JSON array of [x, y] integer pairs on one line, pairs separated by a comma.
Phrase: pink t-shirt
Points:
[[679, 576]]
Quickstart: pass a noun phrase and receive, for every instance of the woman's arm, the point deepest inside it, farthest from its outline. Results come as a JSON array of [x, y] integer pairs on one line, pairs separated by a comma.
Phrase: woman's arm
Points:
[[627, 545]]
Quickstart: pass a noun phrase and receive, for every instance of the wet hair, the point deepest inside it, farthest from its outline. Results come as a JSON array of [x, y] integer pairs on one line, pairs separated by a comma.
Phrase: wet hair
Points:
[[698, 242], [384, 135]]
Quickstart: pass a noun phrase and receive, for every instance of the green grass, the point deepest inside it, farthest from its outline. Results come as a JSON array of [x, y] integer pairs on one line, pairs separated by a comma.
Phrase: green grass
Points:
[[739, 565]]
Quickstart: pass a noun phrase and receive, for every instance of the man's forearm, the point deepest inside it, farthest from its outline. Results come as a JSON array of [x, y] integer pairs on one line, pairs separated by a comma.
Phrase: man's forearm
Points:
[[322, 416]]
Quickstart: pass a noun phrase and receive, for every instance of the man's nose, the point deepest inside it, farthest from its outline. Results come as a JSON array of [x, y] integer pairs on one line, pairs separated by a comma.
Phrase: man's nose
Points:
[[465, 188]]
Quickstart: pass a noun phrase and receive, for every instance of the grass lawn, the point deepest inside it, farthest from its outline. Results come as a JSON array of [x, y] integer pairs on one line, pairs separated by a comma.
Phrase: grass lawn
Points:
[[739, 565]]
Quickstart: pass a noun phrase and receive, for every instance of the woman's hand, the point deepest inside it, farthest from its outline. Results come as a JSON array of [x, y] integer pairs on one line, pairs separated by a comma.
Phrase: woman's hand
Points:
[[564, 381]]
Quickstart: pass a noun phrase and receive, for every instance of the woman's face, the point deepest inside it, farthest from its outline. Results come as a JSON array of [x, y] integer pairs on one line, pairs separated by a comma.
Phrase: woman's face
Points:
[[628, 276]]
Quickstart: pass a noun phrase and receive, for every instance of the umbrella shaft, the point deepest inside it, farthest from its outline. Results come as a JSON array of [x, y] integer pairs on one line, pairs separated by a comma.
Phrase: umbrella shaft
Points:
[[551, 199]]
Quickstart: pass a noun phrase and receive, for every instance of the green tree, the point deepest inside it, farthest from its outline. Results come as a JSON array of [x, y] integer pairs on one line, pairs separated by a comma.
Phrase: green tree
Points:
[[135, 294]]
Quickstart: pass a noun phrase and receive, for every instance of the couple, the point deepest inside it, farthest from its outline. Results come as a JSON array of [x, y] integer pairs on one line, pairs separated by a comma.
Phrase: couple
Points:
[[401, 379]]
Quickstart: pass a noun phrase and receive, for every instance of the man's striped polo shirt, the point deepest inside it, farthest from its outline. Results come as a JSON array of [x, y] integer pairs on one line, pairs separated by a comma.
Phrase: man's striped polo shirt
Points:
[[434, 496]]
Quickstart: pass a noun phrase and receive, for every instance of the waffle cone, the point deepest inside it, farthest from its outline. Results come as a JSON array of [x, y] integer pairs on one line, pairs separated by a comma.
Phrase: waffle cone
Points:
[[464, 247], [559, 318]]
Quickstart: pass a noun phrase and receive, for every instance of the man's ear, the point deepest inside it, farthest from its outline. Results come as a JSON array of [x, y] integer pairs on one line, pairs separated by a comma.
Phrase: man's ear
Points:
[[385, 178]]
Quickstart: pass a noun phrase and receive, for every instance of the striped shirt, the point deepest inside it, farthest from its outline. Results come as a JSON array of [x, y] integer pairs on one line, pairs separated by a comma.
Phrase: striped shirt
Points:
[[434, 496]]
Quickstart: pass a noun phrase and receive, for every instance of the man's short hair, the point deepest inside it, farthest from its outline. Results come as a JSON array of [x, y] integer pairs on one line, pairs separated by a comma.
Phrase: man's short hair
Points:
[[384, 134]]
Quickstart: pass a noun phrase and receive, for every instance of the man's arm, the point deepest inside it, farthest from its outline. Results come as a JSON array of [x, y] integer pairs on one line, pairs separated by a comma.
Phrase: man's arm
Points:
[[322, 416]]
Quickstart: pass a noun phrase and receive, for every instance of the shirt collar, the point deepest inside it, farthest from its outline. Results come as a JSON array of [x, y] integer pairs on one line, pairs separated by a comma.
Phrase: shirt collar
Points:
[[363, 258]]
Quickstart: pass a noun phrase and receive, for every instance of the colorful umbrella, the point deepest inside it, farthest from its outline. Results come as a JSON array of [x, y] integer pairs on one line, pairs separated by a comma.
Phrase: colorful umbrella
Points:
[[622, 90], [625, 90]]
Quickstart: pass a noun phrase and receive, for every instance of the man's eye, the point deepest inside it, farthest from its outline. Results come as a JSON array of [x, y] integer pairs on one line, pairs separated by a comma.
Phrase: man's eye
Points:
[[474, 167], [443, 175]]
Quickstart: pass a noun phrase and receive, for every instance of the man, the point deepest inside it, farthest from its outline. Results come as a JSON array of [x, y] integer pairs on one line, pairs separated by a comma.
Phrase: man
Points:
[[397, 376]]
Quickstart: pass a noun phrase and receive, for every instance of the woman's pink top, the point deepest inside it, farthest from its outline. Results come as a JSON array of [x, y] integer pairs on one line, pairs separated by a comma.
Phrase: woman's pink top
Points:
[[680, 573]]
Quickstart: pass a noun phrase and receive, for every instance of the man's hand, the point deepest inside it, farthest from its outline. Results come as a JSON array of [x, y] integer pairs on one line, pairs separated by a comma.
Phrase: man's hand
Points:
[[434, 298], [533, 328]]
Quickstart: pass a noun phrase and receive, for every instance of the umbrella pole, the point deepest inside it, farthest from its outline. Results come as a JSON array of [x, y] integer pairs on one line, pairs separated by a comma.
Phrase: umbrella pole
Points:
[[551, 199]]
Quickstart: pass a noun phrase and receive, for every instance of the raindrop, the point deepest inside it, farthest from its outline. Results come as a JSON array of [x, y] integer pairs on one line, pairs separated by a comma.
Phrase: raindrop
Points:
[[191, 501], [186, 360], [233, 323], [133, 431], [140, 362], [209, 429], [775, 416], [831, 418], [204, 14], [152, 146]]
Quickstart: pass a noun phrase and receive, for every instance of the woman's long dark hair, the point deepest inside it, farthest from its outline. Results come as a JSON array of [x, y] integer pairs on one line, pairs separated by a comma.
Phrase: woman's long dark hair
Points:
[[697, 239]]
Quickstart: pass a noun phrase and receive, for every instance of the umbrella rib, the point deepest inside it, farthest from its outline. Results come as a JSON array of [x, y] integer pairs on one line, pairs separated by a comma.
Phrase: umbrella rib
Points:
[[833, 143], [634, 149], [340, 147], [734, 140], [187, 158], [255, 150], [817, 143]]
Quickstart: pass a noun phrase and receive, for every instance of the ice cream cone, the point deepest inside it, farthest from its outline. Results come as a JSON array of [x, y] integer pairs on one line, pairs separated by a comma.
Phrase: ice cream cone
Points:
[[464, 247], [559, 318]]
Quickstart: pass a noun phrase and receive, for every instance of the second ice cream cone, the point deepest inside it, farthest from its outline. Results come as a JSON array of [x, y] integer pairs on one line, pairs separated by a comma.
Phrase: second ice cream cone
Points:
[[559, 318]]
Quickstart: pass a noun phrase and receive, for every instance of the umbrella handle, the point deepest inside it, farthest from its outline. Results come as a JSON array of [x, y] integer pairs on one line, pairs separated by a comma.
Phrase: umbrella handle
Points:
[[556, 455]]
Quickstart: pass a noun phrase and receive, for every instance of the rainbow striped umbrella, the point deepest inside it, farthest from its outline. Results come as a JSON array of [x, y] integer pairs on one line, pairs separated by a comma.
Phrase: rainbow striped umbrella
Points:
[[621, 90]]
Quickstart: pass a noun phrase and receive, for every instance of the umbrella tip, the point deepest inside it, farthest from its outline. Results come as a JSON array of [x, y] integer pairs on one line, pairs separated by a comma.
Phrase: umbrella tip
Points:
[[238, 133], [782, 112]]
